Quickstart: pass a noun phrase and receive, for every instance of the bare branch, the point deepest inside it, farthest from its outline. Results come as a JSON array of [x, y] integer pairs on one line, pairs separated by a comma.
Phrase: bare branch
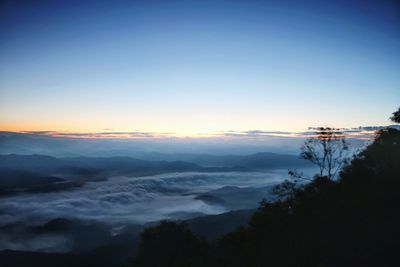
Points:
[[326, 150]]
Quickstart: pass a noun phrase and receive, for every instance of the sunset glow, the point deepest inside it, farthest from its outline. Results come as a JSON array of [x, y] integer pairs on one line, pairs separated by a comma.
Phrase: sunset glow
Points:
[[189, 68]]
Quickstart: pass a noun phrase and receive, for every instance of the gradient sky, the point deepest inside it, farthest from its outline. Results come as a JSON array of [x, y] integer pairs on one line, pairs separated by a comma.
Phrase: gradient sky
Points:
[[190, 67]]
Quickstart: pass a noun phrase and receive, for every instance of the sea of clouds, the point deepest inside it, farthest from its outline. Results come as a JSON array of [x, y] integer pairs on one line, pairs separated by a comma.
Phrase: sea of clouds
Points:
[[122, 200]]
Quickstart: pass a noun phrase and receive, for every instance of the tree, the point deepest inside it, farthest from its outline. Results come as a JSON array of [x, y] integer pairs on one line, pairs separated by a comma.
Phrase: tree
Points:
[[171, 244], [396, 116], [328, 149]]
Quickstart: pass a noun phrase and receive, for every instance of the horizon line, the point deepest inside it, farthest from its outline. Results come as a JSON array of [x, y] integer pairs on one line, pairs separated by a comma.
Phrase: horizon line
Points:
[[360, 132]]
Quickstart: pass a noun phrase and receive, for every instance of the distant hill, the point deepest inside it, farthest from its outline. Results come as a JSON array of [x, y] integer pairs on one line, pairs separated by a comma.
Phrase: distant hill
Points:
[[257, 161], [45, 173]]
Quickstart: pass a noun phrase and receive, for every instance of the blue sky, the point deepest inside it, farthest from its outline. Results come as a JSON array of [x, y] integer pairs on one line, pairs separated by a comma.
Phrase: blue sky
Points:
[[191, 67]]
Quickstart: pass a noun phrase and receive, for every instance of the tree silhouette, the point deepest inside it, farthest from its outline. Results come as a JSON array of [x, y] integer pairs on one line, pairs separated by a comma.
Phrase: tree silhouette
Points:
[[396, 116], [171, 244], [328, 149]]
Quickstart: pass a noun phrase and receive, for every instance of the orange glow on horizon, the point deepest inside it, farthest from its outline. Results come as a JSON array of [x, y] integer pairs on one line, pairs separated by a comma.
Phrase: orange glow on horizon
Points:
[[145, 135]]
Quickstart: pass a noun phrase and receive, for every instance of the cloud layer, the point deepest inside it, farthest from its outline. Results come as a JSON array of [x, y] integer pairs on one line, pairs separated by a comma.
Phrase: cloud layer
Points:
[[361, 131], [130, 200]]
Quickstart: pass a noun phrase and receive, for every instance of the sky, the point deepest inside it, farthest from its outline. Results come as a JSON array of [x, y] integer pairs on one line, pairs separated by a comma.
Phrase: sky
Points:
[[192, 68]]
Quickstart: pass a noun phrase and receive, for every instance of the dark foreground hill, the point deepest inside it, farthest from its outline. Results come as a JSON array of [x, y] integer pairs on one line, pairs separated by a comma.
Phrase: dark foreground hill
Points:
[[100, 249], [350, 222]]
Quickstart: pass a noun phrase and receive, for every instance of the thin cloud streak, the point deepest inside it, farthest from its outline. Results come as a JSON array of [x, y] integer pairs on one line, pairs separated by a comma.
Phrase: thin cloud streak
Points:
[[100, 135], [361, 132]]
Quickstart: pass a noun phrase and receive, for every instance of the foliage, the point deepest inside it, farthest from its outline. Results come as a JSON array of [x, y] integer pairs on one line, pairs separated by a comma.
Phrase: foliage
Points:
[[286, 189], [170, 244], [396, 116]]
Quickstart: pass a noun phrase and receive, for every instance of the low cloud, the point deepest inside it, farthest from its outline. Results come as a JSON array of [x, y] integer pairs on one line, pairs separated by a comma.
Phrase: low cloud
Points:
[[122, 201], [361, 132], [126, 200], [100, 135], [357, 132], [257, 133]]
